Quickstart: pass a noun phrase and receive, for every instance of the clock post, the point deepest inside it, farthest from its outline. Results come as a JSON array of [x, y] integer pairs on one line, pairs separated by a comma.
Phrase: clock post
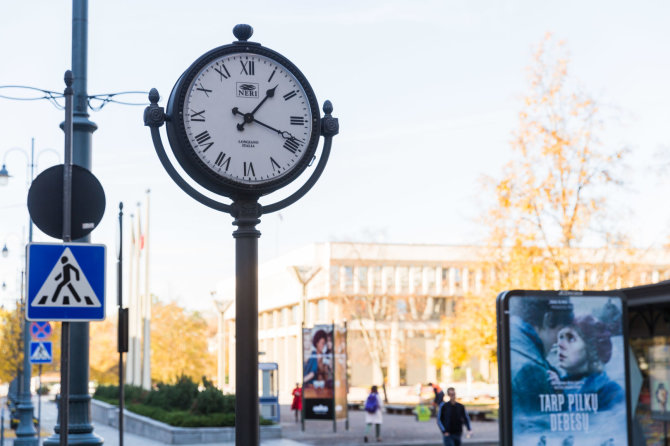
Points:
[[246, 213], [276, 128]]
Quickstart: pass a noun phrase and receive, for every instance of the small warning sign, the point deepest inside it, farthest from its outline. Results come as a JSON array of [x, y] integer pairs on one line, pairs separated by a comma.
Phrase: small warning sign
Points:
[[40, 352], [66, 285]]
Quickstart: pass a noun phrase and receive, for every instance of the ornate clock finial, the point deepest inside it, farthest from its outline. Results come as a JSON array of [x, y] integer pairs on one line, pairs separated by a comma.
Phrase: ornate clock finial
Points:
[[243, 32]]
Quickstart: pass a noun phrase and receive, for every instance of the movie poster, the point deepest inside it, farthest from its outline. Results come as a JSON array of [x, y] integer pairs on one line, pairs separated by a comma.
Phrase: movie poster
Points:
[[568, 370], [318, 379], [659, 381], [341, 386]]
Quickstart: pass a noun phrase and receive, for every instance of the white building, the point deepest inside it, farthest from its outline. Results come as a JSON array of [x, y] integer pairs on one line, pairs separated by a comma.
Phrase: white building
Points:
[[398, 292]]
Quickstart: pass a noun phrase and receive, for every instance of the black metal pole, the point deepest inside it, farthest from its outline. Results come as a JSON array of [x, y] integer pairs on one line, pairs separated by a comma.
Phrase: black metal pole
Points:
[[302, 355], [333, 361], [121, 321], [247, 214], [346, 379], [39, 407], [67, 237]]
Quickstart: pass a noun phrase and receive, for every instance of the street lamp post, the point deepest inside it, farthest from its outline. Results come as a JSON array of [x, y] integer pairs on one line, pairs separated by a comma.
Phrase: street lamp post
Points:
[[25, 433]]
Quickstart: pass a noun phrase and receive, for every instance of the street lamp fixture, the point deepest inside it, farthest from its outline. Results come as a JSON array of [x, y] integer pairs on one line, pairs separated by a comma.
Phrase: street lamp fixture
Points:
[[5, 251], [4, 176]]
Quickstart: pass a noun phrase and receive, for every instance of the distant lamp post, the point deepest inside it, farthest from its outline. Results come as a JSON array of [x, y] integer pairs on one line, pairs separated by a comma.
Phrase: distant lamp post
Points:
[[25, 433]]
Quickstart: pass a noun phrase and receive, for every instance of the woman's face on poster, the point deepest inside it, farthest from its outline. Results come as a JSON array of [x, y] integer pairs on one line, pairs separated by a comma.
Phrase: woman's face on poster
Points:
[[572, 356], [319, 345]]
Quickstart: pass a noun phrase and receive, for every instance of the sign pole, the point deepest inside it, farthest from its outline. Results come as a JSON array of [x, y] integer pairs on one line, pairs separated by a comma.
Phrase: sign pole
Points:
[[302, 354], [67, 214], [334, 362], [39, 406], [122, 322]]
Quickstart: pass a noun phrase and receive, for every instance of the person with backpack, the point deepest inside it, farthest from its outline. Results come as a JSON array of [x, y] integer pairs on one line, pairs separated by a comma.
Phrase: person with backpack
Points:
[[373, 414]]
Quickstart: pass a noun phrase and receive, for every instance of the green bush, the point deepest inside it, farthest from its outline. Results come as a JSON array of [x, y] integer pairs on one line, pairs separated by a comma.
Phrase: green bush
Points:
[[179, 395], [179, 404], [110, 394], [106, 392], [210, 400]]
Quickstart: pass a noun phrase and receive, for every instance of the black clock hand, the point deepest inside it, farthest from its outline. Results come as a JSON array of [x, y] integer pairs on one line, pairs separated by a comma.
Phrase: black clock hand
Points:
[[283, 134], [249, 117], [268, 94]]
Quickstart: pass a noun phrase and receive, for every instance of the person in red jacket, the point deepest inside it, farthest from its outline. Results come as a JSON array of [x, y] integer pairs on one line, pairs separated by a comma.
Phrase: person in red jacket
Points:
[[296, 405]]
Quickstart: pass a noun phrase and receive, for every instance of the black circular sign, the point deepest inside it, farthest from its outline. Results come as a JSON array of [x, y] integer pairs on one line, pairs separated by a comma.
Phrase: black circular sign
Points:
[[45, 202]]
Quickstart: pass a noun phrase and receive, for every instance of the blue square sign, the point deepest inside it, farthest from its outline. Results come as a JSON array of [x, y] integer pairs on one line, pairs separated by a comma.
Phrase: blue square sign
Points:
[[40, 352], [66, 282]]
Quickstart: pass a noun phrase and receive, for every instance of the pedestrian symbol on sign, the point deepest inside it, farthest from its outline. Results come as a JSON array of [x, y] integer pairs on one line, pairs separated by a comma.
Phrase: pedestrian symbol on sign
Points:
[[40, 352], [66, 286]]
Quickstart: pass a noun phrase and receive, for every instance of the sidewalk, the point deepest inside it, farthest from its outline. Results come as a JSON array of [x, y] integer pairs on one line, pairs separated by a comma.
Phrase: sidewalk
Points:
[[109, 434], [396, 430]]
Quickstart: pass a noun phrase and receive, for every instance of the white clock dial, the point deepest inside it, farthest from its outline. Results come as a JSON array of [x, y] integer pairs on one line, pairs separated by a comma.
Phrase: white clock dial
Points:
[[247, 118]]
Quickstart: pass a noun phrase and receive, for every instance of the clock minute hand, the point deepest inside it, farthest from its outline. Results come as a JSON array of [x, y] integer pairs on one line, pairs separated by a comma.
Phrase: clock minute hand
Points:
[[283, 134]]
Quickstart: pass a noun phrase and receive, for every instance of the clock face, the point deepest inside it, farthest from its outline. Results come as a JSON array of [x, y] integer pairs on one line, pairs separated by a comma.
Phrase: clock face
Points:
[[247, 120]]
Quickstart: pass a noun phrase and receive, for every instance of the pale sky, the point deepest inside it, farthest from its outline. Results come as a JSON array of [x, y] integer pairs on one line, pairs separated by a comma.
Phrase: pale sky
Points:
[[427, 93]]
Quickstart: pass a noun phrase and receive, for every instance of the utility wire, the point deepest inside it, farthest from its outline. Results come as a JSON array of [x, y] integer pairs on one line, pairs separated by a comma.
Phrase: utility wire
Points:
[[95, 102]]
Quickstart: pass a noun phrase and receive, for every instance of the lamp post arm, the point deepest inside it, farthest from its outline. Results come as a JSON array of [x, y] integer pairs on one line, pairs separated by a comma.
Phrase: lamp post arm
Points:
[[47, 150], [15, 149]]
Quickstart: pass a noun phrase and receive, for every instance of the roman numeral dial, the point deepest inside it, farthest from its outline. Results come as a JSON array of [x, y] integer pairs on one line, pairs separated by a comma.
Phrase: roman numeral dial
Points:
[[248, 119]]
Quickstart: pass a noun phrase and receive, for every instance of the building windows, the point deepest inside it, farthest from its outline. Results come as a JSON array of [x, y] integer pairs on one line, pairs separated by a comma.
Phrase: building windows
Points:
[[377, 279], [322, 310], [295, 312], [335, 277], [348, 278], [362, 278]]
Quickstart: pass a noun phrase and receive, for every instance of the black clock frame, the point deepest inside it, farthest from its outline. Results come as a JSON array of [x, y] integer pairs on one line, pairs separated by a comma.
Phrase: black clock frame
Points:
[[191, 162]]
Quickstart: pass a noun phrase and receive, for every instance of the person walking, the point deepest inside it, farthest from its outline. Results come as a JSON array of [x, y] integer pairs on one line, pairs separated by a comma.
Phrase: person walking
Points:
[[451, 417], [438, 397], [373, 414], [296, 404]]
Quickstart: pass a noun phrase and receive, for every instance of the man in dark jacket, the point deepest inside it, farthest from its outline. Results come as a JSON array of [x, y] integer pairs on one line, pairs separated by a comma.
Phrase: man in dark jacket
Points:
[[450, 419]]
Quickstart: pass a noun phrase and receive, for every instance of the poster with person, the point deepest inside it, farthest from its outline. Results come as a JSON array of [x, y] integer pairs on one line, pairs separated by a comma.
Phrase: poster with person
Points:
[[659, 381], [563, 368], [318, 379], [341, 385]]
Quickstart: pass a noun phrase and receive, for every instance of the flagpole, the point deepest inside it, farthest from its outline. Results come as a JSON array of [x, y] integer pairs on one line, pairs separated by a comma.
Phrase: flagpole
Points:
[[137, 319], [146, 339]]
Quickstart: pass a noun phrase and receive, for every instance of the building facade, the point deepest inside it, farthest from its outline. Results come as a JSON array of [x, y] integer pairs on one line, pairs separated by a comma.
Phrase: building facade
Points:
[[393, 298]]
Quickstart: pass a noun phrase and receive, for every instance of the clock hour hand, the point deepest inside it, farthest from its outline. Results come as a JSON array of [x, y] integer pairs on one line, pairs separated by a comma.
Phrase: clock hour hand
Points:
[[249, 117]]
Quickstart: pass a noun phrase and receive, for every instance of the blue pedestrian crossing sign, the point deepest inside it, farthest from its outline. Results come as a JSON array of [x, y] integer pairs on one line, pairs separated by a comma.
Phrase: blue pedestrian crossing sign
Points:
[[40, 352], [66, 282]]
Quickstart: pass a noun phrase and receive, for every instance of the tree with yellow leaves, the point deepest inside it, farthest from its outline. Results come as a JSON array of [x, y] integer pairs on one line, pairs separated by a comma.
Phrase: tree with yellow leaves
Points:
[[11, 343], [550, 202], [179, 344]]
